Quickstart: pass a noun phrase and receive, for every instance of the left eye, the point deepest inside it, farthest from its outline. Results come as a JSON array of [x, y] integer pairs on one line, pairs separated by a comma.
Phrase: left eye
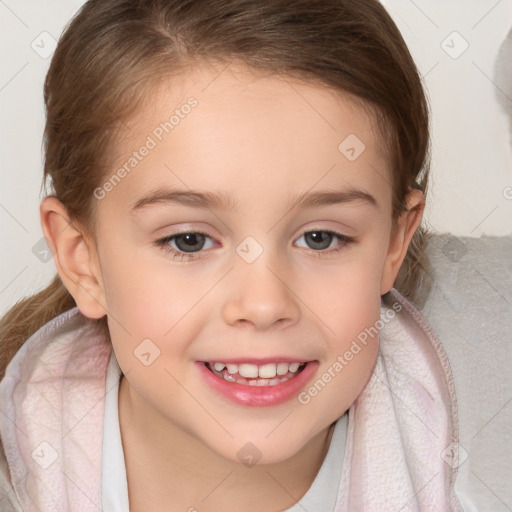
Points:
[[321, 240]]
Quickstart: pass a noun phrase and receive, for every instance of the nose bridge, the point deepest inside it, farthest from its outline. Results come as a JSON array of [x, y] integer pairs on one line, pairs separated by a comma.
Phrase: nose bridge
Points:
[[259, 292]]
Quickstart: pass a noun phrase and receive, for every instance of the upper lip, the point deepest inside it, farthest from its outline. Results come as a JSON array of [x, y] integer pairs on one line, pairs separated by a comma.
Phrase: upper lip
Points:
[[258, 361]]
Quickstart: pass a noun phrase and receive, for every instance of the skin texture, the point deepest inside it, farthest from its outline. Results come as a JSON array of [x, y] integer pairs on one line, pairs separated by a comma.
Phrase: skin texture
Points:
[[264, 141]]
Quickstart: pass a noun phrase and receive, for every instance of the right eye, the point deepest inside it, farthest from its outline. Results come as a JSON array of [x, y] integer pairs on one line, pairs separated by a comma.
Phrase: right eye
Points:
[[185, 245]]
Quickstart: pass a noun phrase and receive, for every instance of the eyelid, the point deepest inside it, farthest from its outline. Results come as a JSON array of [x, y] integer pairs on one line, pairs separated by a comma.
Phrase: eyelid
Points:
[[327, 229]]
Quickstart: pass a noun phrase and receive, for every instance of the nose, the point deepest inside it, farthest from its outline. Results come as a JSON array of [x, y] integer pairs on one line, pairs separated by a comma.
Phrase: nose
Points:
[[260, 295]]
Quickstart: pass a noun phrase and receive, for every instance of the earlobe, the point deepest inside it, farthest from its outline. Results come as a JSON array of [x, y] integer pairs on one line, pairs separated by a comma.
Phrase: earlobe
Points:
[[74, 258], [407, 225]]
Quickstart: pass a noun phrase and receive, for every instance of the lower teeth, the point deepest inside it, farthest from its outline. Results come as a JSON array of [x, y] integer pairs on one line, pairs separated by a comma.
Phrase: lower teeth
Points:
[[255, 381]]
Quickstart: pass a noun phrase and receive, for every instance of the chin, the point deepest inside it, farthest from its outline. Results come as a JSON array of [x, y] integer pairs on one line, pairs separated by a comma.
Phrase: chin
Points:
[[263, 449]]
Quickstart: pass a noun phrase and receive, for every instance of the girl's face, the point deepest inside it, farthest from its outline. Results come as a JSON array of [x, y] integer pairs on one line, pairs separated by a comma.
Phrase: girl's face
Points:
[[246, 224]]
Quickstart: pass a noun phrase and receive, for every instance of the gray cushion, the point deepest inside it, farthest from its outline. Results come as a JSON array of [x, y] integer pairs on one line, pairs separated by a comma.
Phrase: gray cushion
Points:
[[470, 308]]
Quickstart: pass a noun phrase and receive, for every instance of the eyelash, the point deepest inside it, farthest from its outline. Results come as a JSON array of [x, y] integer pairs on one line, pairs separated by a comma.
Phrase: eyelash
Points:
[[163, 244]]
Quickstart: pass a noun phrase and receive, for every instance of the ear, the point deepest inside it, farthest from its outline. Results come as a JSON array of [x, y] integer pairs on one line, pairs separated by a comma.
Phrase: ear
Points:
[[75, 257], [401, 236]]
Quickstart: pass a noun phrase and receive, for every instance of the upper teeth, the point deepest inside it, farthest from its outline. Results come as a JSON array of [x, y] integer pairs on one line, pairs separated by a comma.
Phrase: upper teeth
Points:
[[264, 371]]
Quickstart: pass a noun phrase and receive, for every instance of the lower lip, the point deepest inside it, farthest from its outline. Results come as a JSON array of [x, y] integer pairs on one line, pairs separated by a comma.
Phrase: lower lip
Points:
[[259, 396]]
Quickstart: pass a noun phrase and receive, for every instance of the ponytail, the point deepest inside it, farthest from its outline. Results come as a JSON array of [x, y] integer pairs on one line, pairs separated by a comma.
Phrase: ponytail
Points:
[[28, 315]]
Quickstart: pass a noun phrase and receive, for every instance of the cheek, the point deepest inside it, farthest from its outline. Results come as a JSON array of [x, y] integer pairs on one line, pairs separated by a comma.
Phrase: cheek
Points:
[[341, 380], [149, 295], [346, 295], [350, 311], [354, 342], [155, 311], [351, 356]]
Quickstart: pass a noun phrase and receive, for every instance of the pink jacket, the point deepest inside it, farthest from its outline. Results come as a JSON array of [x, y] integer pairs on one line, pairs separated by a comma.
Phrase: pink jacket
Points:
[[401, 448]]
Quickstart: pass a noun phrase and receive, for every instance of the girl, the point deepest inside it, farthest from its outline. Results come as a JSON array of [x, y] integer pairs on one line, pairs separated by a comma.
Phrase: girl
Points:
[[235, 187]]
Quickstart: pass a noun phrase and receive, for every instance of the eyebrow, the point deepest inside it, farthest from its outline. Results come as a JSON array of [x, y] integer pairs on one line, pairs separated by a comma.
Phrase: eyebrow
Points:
[[222, 201]]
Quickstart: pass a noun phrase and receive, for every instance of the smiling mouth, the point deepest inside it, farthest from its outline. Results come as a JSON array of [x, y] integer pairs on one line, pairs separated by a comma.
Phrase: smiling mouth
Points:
[[269, 374]]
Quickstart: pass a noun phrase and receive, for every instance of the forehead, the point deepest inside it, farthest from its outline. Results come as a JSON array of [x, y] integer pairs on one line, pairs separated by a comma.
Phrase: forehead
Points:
[[240, 97], [214, 127]]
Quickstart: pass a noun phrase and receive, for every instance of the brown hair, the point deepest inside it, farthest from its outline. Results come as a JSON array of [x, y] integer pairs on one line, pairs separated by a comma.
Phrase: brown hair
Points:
[[115, 51]]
